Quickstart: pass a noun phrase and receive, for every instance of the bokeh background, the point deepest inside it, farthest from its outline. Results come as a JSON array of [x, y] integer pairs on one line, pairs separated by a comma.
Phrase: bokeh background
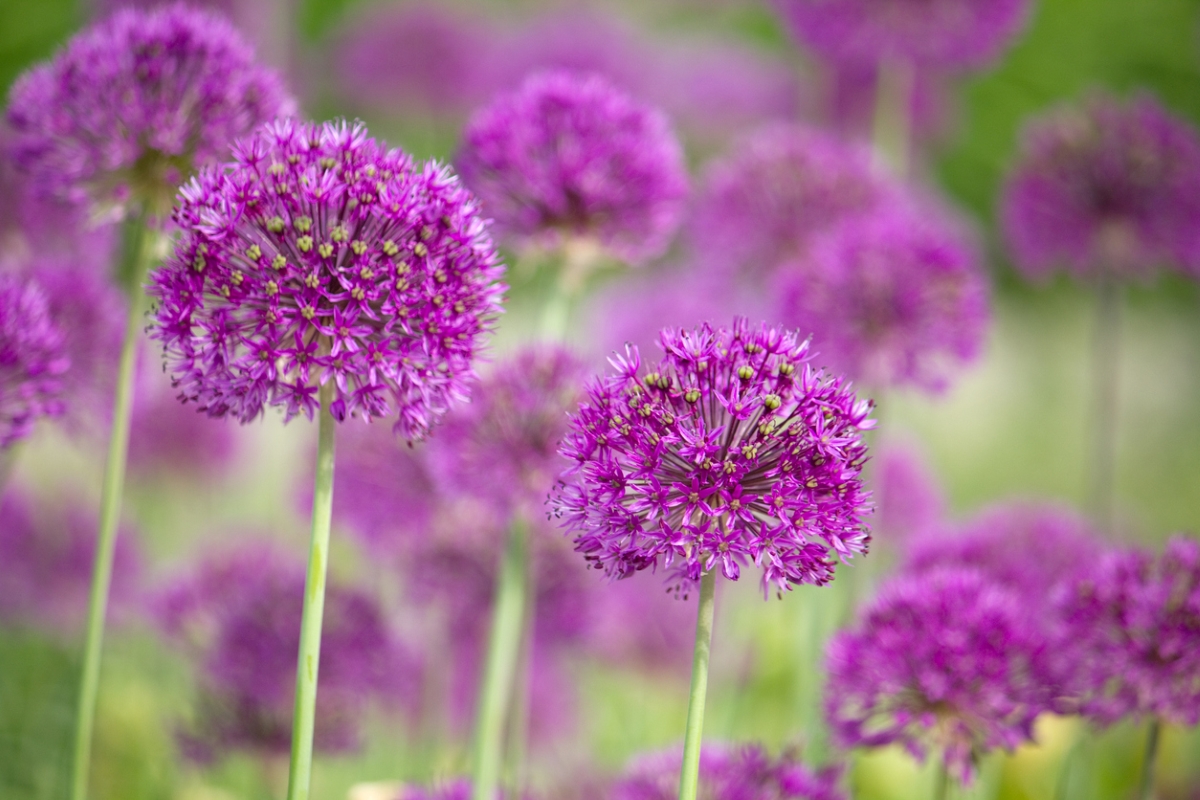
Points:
[[1015, 425]]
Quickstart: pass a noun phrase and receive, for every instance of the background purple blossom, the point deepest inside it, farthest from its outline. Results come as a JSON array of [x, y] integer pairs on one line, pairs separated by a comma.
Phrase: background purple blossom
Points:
[[32, 359]]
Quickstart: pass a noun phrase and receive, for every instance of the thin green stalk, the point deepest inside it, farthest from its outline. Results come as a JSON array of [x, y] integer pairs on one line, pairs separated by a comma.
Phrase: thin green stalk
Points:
[[1105, 388], [139, 251], [309, 660], [689, 778], [1146, 790], [892, 125], [942, 788], [518, 717], [500, 670]]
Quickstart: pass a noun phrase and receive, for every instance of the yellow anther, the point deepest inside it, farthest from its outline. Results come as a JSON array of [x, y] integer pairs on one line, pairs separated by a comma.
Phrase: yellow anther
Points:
[[272, 288], [275, 225], [358, 246], [308, 312], [254, 252], [237, 277], [325, 249], [340, 233], [313, 281], [390, 248], [420, 250], [279, 262], [305, 243], [302, 224]]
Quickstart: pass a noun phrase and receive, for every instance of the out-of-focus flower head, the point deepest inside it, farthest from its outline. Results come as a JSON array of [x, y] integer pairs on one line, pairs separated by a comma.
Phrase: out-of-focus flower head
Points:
[[908, 499], [503, 446], [929, 33], [732, 450], [46, 554], [1106, 187], [941, 662], [32, 359], [135, 103], [238, 615], [762, 205], [1135, 622], [319, 255], [569, 157], [728, 772], [168, 437], [894, 298]]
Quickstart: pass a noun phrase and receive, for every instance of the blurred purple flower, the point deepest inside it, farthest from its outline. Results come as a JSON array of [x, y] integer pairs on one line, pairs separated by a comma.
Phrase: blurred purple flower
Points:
[[728, 772], [895, 298], [238, 615], [734, 450], [135, 103], [168, 437], [851, 100], [908, 499], [1109, 186], [571, 156], [32, 359], [942, 661], [318, 255]]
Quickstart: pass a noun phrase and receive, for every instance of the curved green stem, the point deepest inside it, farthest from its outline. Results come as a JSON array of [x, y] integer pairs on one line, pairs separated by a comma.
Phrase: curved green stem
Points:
[[892, 125], [309, 660], [139, 252], [1146, 788], [504, 645], [689, 778]]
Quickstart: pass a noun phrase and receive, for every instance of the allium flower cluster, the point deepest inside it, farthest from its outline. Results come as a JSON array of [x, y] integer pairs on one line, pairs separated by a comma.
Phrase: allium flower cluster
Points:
[[503, 446], [134, 104], [318, 255], [728, 772], [894, 298], [1136, 622], [32, 359], [941, 662], [733, 449], [941, 33], [239, 615], [569, 156], [1108, 186]]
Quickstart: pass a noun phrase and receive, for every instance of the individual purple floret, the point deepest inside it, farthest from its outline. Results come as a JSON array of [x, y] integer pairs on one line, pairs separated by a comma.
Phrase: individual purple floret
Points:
[[732, 449], [941, 33], [134, 104], [762, 205], [1135, 622], [1107, 187], [728, 772], [892, 299], [32, 359], [238, 616], [503, 446], [318, 255], [908, 499], [569, 156], [943, 663]]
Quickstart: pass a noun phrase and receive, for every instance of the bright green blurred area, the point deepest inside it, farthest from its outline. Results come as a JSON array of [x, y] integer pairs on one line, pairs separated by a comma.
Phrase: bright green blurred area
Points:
[[1016, 425]]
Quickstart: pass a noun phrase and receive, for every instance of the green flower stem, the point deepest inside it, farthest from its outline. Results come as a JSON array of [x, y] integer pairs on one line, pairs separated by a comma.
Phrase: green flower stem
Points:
[[500, 669], [689, 778], [1146, 789], [892, 125], [309, 660], [139, 252], [1106, 344], [518, 722], [942, 788]]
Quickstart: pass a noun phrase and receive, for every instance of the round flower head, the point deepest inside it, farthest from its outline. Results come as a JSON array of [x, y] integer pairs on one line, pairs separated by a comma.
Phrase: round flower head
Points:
[[728, 772], [569, 156], [942, 661], [1135, 621], [318, 255], [908, 499], [895, 298], [934, 33], [503, 446], [732, 449], [1108, 186], [761, 206], [134, 104], [32, 359]]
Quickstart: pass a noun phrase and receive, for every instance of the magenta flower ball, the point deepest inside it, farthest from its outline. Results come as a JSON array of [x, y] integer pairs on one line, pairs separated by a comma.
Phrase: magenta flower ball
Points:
[[319, 255], [1109, 187], [132, 105], [731, 450], [728, 772], [33, 361], [569, 156]]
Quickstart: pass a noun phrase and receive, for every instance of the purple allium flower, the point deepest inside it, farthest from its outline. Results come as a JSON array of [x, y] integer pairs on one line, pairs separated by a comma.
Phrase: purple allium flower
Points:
[[569, 155], [238, 615], [167, 437], [502, 447], [32, 359], [46, 555], [1135, 621], [941, 661], [762, 205], [728, 772], [317, 255], [1107, 186], [941, 33], [908, 499], [895, 298], [134, 104], [733, 449]]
